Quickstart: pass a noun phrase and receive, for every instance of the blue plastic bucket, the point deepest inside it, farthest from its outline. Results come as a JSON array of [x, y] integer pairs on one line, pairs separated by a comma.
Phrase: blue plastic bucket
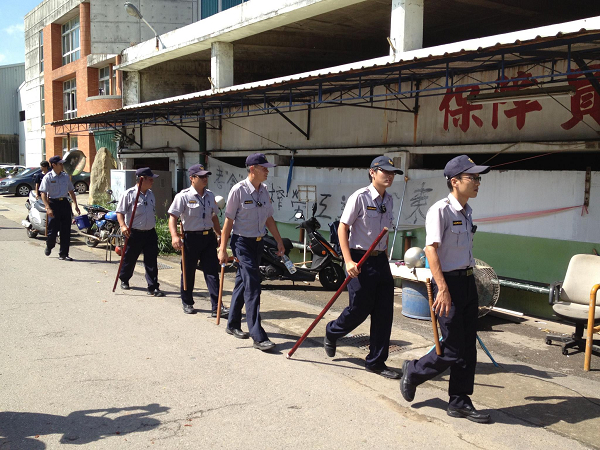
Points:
[[82, 222], [415, 303]]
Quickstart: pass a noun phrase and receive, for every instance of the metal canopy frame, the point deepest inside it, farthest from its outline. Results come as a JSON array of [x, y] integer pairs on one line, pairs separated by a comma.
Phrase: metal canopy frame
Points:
[[356, 88]]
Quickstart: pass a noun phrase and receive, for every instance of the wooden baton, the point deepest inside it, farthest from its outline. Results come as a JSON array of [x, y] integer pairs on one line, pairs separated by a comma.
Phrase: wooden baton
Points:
[[220, 302], [436, 336]]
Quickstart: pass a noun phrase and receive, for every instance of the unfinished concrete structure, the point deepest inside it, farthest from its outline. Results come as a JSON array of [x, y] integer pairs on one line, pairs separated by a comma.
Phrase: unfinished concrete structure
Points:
[[11, 77], [319, 81]]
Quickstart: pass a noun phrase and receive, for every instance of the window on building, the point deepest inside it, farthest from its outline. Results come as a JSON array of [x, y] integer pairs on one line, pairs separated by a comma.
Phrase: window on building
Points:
[[69, 99], [70, 41], [73, 144], [104, 81], [113, 85], [21, 116], [42, 105], [41, 50], [43, 149], [211, 7]]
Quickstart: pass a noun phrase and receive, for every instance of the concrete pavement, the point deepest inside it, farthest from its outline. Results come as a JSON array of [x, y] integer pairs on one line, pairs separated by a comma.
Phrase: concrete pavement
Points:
[[81, 365]]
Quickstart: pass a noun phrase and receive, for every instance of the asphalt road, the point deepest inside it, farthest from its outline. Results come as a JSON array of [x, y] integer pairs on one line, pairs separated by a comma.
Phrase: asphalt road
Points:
[[82, 366]]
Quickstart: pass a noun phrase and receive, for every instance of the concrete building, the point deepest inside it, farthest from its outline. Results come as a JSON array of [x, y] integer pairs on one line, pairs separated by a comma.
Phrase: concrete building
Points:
[[11, 77], [322, 86], [71, 48]]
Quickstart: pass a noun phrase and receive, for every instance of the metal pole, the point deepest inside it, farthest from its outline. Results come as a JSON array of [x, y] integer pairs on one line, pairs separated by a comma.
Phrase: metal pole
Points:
[[398, 219]]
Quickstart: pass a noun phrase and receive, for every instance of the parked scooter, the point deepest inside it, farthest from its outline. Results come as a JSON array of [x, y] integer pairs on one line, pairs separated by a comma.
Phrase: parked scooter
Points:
[[101, 224], [325, 260], [35, 222]]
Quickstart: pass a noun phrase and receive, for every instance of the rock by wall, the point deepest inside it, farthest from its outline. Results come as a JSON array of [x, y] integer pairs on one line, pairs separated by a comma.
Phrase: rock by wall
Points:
[[100, 176]]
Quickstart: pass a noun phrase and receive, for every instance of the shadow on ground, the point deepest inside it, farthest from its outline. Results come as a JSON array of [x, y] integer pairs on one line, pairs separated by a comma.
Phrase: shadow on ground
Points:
[[21, 430]]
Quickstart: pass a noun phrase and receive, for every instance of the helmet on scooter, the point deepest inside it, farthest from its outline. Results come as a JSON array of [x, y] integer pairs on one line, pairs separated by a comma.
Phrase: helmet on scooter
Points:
[[118, 250], [414, 257]]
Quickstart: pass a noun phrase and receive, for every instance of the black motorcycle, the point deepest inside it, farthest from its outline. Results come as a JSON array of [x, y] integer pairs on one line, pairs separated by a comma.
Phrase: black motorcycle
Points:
[[325, 260]]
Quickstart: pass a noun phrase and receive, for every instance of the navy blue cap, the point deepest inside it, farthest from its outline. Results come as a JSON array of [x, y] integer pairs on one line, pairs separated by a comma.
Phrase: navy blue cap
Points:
[[145, 172], [56, 160], [385, 163], [463, 164], [198, 169], [258, 159]]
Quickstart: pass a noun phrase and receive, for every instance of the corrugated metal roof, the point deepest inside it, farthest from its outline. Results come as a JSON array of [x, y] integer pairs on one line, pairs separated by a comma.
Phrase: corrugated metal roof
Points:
[[576, 36]]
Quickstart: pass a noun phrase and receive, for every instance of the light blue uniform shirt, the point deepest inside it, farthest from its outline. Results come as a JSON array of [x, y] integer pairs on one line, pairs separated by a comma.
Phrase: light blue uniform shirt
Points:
[[242, 207], [145, 214], [56, 186], [449, 224], [364, 217], [196, 211]]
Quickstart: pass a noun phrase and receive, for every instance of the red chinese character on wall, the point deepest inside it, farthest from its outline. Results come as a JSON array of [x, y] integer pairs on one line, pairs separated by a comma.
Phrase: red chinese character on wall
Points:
[[521, 107], [585, 101], [463, 113]]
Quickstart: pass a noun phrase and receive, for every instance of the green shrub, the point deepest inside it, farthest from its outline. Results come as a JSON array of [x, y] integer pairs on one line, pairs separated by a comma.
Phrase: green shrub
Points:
[[3, 173], [164, 237]]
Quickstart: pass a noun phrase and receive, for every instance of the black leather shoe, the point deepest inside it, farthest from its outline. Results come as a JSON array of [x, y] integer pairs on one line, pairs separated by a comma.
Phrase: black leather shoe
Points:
[[47, 251], [407, 389], [224, 312], [125, 285], [385, 372], [65, 258], [468, 412], [329, 347], [264, 346], [188, 309], [236, 332], [156, 293]]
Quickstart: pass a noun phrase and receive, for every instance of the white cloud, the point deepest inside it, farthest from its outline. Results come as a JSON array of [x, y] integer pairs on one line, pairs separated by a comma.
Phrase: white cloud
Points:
[[15, 29], [2, 57]]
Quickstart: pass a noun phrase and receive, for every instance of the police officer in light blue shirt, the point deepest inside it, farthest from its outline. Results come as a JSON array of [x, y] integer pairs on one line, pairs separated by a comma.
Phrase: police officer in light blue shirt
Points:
[[371, 289], [247, 213], [142, 235], [197, 208], [449, 250], [55, 187]]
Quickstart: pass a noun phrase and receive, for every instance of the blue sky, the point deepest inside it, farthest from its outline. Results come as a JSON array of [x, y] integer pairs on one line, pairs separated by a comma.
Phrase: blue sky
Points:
[[12, 41]]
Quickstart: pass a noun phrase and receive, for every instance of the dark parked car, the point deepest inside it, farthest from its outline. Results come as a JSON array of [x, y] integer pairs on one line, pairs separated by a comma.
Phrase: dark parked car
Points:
[[23, 183]]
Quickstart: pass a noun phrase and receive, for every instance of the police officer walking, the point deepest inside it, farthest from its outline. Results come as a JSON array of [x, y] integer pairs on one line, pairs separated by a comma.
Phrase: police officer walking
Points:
[[142, 235], [247, 213], [371, 289], [55, 187], [37, 179], [198, 211], [449, 250]]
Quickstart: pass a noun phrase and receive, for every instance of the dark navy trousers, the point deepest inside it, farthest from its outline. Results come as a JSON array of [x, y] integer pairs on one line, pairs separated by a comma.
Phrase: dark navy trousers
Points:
[[142, 241], [60, 222], [371, 293], [203, 247], [459, 352], [247, 286]]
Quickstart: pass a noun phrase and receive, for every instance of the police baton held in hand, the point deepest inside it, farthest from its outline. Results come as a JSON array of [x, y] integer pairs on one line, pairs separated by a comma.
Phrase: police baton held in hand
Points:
[[220, 302], [139, 186], [337, 294], [436, 337]]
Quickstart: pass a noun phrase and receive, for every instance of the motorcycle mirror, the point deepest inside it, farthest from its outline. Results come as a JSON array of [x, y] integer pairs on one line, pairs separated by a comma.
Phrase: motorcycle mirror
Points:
[[314, 208], [299, 215], [109, 191]]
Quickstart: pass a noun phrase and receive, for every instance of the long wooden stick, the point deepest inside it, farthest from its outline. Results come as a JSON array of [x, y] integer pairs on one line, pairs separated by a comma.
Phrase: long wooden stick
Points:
[[184, 273], [337, 294], [436, 336], [139, 185], [220, 302], [589, 342]]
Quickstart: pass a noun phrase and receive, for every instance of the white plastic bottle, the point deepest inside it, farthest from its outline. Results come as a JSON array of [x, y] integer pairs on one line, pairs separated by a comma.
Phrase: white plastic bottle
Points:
[[289, 264]]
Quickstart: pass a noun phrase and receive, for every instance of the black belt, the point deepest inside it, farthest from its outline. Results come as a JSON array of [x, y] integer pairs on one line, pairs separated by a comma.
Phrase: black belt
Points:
[[254, 238], [203, 232], [141, 231], [53, 199], [373, 253], [459, 272]]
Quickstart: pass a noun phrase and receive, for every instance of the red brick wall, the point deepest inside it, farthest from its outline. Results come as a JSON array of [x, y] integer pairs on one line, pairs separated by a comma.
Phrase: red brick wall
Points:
[[87, 86]]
